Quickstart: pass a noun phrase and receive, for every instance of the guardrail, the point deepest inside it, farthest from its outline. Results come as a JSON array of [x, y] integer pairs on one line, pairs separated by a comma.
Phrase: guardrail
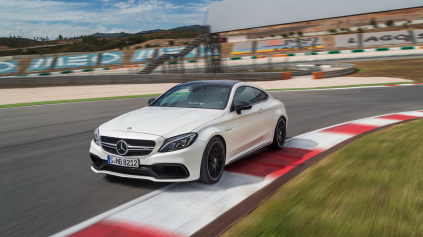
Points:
[[346, 69]]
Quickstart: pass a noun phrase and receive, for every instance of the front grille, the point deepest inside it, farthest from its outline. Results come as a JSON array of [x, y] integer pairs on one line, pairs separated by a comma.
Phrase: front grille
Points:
[[159, 171], [111, 141]]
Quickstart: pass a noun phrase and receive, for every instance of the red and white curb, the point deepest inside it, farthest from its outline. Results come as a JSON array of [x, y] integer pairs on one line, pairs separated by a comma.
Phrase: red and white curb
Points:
[[181, 209]]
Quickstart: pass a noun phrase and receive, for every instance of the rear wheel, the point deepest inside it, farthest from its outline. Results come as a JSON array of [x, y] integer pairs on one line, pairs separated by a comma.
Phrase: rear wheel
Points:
[[280, 135], [213, 161]]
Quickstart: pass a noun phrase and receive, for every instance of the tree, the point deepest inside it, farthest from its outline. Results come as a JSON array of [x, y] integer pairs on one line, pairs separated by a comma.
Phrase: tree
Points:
[[272, 35], [284, 35], [389, 23], [300, 33], [373, 23], [291, 33], [60, 37], [171, 42]]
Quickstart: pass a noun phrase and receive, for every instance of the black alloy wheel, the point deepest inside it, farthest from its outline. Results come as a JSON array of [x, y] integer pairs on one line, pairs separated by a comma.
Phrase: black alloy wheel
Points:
[[280, 135], [213, 162]]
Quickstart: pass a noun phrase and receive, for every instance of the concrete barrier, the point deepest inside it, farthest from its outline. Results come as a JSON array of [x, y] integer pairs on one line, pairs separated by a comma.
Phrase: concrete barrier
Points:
[[107, 79]]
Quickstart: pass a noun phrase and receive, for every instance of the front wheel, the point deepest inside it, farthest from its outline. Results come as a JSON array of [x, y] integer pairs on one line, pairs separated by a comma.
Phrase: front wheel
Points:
[[213, 161], [280, 135]]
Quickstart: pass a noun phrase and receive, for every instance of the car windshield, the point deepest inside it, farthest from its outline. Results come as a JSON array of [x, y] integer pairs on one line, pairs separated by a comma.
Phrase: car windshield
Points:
[[195, 96]]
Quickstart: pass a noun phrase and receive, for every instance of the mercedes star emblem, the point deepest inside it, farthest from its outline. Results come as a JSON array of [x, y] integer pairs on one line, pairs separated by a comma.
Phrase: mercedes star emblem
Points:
[[122, 147]]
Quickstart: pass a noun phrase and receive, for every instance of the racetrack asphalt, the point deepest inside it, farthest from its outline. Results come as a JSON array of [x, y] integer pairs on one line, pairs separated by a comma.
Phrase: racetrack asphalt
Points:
[[46, 182]]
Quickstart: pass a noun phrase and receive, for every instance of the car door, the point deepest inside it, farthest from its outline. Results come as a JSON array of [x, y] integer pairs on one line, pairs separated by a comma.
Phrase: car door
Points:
[[266, 115], [246, 127]]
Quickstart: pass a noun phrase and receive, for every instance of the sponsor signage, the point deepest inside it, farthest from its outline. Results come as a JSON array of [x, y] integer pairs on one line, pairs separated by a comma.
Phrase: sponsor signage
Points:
[[241, 48], [343, 41], [143, 54], [41, 64], [76, 61], [8, 66], [289, 44], [418, 35], [111, 58], [386, 38], [85, 60]]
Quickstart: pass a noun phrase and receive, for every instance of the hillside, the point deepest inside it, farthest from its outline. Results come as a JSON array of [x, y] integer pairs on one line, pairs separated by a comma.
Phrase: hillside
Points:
[[178, 32]]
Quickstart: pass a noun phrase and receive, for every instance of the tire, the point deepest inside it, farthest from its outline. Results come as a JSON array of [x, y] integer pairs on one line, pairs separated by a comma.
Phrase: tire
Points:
[[213, 161], [280, 135]]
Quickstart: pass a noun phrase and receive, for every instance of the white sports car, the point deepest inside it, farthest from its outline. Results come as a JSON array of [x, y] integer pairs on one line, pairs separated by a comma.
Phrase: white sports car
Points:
[[190, 132]]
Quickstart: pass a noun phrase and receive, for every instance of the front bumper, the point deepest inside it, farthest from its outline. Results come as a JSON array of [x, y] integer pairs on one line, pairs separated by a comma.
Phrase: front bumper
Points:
[[177, 166]]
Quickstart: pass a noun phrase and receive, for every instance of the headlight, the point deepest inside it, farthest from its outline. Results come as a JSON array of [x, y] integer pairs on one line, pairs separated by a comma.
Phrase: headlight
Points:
[[178, 142], [97, 136]]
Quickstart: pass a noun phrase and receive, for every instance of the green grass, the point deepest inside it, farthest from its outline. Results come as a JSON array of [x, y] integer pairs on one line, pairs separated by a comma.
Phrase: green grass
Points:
[[76, 100], [371, 187]]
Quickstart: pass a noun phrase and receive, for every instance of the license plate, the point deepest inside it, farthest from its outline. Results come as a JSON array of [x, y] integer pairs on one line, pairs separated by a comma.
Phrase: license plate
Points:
[[122, 161]]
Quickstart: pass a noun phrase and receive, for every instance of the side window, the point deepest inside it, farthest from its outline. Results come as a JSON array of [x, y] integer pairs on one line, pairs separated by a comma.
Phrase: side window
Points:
[[260, 95], [244, 93]]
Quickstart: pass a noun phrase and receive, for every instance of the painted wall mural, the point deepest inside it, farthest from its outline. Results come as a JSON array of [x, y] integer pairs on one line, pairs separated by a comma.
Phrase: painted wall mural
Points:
[[142, 54]]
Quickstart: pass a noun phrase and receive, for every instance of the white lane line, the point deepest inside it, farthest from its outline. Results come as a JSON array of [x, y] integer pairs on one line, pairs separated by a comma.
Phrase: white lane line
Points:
[[106, 214]]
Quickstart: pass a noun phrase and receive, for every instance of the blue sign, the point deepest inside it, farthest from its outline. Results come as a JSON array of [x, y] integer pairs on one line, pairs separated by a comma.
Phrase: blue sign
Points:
[[8, 66], [111, 58], [41, 64], [142, 55], [192, 54], [76, 61]]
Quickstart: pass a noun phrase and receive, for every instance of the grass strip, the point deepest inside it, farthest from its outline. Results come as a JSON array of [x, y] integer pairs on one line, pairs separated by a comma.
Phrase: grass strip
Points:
[[152, 95], [371, 187], [76, 100]]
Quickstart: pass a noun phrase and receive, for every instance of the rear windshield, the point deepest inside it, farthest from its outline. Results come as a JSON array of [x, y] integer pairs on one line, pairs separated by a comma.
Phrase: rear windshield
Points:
[[195, 96]]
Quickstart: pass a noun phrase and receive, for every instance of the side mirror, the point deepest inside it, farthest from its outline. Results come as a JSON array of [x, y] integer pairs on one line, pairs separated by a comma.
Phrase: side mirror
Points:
[[242, 105], [151, 100]]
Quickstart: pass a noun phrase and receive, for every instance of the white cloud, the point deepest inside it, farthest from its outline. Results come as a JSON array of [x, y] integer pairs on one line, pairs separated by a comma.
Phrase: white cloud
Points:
[[46, 17]]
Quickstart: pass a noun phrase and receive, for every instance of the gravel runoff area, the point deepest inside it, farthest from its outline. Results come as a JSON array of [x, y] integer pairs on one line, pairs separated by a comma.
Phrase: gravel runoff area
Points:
[[28, 95]]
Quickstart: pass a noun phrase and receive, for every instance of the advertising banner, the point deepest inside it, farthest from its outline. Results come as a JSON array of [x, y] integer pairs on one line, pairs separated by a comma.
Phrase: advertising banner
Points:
[[344, 41], [8, 66], [242, 48], [289, 44], [39, 64], [111, 58], [76, 61], [418, 35], [386, 38], [142, 54]]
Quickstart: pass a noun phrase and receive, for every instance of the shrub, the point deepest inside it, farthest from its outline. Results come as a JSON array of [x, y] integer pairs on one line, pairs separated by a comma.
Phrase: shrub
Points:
[[389, 23], [284, 35], [138, 47], [272, 35], [300, 33], [171, 42], [360, 30], [291, 33]]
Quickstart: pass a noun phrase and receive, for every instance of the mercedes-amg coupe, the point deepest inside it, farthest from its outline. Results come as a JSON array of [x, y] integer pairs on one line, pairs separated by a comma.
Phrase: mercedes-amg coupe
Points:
[[190, 132]]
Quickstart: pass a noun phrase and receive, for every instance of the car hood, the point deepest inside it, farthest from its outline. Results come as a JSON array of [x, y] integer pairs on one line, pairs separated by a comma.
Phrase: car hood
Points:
[[162, 121]]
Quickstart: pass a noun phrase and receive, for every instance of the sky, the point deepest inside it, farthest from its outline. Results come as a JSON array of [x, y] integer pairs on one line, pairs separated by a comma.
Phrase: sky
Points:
[[41, 18]]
